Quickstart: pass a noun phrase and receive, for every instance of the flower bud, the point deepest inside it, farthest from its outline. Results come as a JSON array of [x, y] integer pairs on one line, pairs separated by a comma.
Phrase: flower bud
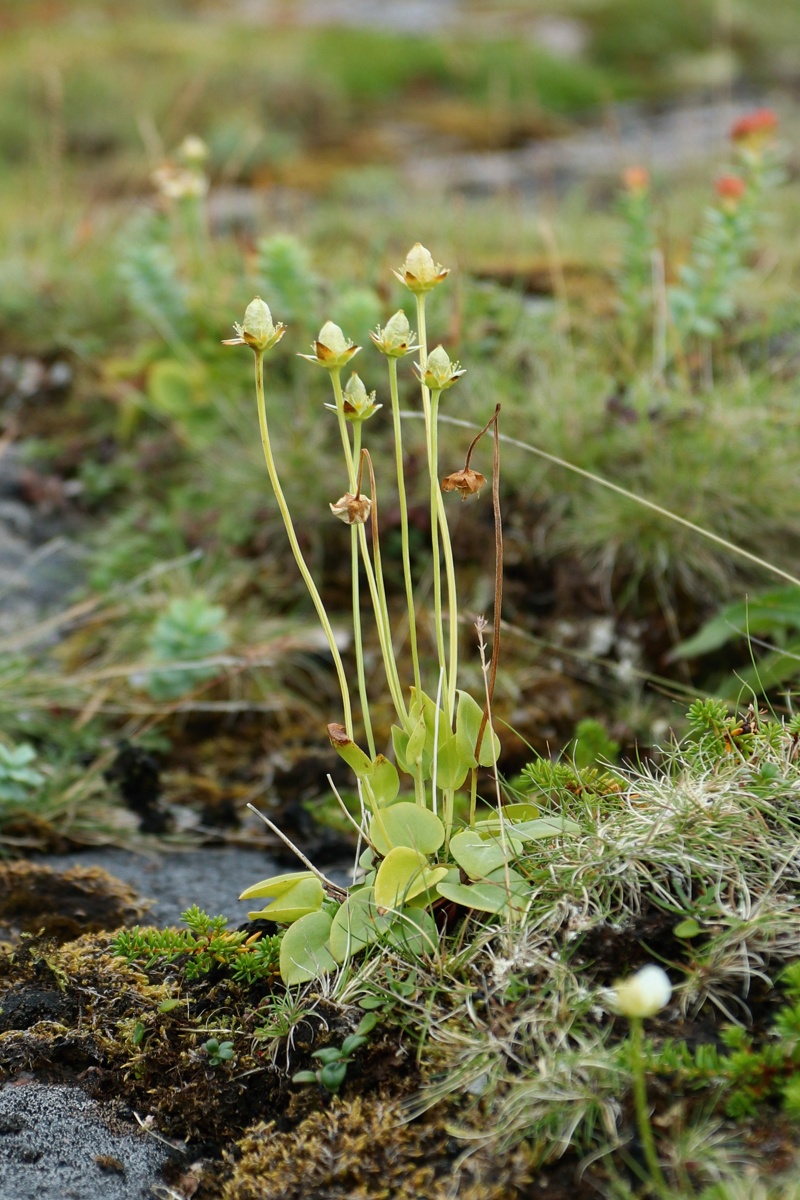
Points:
[[466, 481], [359, 404], [419, 272], [755, 129], [730, 189], [643, 994], [439, 372], [179, 183], [636, 180], [257, 329], [353, 510], [396, 339], [193, 151], [332, 350]]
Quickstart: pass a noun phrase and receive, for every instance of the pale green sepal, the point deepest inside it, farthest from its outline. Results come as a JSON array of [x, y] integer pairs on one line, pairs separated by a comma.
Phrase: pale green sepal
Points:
[[478, 857], [277, 885], [305, 952], [357, 924], [409, 825], [491, 894]]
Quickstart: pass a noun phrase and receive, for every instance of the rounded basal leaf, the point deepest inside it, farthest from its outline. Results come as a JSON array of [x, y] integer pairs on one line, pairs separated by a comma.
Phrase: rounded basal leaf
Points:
[[521, 811], [415, 746], [414, 932], [544, 827], [500, 892], [303, 897], [276, 885], [384, 781], [469, 716], [305, 953], [406, 824], [478, 857], [529, 831], [400, 746], [452, 764], [403, 874], [356, 925]]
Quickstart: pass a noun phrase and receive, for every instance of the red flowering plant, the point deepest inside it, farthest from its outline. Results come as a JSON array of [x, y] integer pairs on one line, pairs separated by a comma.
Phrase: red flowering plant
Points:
[[705, 296]]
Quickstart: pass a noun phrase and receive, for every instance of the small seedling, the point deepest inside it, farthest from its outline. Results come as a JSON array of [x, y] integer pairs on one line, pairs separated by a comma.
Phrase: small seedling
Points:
[[334, 1060], [218, 1052], [17, 776]]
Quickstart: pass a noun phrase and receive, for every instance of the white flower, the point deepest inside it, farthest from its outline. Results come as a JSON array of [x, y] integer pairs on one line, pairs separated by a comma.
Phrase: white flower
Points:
[[643, 994], [419, 272]]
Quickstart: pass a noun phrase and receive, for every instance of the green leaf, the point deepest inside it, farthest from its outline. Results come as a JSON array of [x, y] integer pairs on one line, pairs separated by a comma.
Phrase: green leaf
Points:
[[384, 781], [478, 857], [345, 747], [352, 1043], [415, 746], [469, 716], [406, 824], [522, 811], [276, 885], [167, 1005], [530, 831], [367, 1022], [687, 929], [328, 1054], [400, 746], [491, 894], [303, 897], [356, 925], [332, 1076], [452, 765], [305, 1077], [403, 874], [305, 953], [413, 932], [764, 615]]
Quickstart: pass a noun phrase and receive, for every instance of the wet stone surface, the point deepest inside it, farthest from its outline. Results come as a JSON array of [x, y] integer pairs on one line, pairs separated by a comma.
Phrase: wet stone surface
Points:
[[57, 1143]]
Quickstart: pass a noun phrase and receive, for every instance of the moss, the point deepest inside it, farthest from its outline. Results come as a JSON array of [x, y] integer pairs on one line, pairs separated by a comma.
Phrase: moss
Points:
[[62, 905], [363, 1150]]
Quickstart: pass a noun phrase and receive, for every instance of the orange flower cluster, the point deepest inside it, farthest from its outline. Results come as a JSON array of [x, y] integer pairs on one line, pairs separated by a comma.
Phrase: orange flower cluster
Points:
[[755, 129], [730, 189]]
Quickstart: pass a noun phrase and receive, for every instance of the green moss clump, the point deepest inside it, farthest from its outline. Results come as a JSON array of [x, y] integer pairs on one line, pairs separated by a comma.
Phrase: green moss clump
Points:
[[365, 1150]]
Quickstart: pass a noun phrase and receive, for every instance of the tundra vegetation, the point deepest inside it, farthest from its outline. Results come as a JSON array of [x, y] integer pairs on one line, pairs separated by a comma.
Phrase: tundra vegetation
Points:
[[518, 583]]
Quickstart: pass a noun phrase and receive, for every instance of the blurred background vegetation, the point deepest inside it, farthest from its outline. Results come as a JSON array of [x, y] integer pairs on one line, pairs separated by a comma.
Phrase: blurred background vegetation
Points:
[[336, 136]]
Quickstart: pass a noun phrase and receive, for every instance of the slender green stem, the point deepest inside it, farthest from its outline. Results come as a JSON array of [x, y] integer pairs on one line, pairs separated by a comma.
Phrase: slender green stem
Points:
[[473, 796], [295, 546], [452, 597], [433, 470], [377, 593], [382, 608], [351, 457], [359, 644], [642, 1111], [401, 493]]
